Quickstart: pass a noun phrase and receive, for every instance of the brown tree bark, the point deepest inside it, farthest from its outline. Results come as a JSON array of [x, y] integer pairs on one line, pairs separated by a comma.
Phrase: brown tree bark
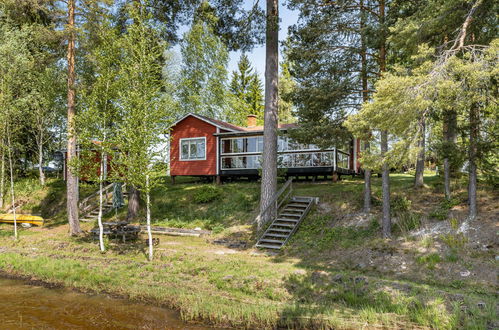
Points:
[[419, 177], [473, 153], [386, 222], [72, 180], [365, 98], [269, 166], [133, 203], [450, 137]]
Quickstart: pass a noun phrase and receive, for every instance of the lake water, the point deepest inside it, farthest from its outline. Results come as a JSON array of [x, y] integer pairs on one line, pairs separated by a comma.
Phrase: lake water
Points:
[[25, 306]]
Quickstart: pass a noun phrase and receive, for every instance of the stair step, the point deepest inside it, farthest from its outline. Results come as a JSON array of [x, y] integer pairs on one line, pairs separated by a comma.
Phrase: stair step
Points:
[[275, 235], [267, 240], [300, 205], [287, 220], [284, 225], [290, 215], [293, 210], [268, 246], [280, 230]]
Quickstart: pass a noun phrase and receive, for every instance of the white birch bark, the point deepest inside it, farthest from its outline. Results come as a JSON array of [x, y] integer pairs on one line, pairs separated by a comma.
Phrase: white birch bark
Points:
[[99, 218], [148, 217]]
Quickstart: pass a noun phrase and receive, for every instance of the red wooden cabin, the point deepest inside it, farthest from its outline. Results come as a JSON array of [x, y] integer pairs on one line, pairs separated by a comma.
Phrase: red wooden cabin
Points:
[[202, 146]]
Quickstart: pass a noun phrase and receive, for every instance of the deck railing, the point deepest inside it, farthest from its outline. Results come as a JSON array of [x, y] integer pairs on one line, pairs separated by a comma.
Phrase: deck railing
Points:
[[281, 196]]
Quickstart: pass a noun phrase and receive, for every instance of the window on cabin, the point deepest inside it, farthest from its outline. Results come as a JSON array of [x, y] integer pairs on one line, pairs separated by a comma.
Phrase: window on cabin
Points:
[[193, 149]]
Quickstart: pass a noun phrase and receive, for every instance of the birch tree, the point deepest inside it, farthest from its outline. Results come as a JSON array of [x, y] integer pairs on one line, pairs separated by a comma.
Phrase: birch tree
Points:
[[143, 107], [15, 66], [98, 121]]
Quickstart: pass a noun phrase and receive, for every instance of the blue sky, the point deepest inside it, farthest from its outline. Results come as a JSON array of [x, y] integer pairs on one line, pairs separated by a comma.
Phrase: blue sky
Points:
[[257, 56]]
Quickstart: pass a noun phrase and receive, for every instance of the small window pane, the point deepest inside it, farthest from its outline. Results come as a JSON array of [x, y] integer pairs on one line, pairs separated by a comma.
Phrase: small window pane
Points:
[[260, 144], [251, 144], [237, 145], [200, 149], [185, 150]]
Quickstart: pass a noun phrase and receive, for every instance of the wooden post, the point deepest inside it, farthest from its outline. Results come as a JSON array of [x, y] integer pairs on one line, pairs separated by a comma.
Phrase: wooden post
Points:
[[218, 179], [336, 177], [173, 179]]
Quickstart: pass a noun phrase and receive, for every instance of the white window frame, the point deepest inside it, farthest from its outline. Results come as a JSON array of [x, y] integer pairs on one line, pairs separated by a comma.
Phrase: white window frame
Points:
[[189, 149]]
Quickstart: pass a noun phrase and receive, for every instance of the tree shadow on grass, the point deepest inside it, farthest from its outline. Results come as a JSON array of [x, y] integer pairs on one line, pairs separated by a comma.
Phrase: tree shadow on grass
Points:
[[116, 244]]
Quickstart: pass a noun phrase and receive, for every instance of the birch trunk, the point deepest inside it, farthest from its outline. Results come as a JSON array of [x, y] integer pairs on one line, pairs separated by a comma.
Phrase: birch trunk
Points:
[[269, 166], [148, 218], [473, 151], [40, 160], [12, 193], [72, 180], [2, 180], [419, 176], [99, 218]]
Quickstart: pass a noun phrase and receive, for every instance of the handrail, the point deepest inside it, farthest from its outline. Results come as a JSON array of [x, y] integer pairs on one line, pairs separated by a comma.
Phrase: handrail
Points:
[[106, 191], [94, 194], [274, 201]]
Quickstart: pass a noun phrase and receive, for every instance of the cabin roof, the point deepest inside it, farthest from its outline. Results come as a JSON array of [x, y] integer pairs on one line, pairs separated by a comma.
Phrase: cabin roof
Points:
[[231, 127]]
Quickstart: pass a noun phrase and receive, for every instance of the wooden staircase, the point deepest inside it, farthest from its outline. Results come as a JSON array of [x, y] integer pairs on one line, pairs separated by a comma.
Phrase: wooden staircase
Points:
[[89, 206], [290, 213]]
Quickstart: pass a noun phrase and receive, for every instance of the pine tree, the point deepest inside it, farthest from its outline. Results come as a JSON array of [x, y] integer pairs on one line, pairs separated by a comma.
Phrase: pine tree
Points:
[[269, 166], [247, 92]]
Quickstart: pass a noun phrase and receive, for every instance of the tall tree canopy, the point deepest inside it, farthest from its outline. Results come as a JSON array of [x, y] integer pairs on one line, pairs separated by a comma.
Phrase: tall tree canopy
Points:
[[204, 67], [247, 91]]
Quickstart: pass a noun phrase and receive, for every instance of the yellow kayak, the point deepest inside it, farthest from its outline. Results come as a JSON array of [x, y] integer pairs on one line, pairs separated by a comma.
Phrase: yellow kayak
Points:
[[22, 218]]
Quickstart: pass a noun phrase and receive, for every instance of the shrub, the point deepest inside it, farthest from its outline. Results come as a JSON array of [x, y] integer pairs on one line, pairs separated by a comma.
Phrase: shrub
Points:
[[400, 204], [430, 260], [406, 222], [454, 241], [207, 194]]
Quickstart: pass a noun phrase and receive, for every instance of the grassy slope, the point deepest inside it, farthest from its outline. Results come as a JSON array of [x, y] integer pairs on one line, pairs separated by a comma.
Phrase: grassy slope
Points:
[[314, 282]]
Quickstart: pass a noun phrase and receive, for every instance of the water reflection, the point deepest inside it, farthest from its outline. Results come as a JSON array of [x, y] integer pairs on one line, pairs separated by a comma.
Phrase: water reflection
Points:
[[33, 307]]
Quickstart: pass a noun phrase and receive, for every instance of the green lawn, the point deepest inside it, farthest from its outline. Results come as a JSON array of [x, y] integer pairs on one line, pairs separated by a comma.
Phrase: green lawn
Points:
[[316, 282]]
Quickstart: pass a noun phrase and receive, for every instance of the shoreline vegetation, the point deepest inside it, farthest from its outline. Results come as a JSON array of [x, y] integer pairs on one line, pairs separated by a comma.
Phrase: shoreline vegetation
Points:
[[320, 280]]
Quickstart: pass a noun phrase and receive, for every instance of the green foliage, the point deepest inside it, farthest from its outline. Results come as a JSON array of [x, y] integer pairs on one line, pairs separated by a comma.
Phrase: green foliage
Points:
[[207, 194], [203, 86], [430, 260], [247, 91], [317, 234], [455, 241], [441, 212]]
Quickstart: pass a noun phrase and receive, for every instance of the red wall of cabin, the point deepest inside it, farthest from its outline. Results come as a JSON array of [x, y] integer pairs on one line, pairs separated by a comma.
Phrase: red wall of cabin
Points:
[[191, 127]]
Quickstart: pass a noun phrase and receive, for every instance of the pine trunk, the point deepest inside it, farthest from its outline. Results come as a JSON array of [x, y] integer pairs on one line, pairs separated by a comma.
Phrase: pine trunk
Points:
[[269, 166], [133, 203], [473, 151], [72, 180], [450, 137], [148, 218], [419, 177], [385, 187], [386, 222], [365, 98]]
